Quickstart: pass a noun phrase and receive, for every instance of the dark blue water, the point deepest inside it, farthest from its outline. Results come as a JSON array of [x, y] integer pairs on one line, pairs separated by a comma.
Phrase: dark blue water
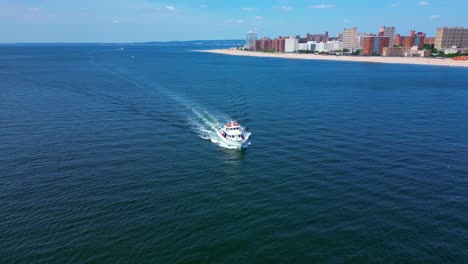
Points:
[[101, 159]]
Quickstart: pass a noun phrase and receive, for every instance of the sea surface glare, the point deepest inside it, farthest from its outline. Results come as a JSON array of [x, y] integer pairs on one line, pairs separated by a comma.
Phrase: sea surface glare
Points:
[[106, 157]]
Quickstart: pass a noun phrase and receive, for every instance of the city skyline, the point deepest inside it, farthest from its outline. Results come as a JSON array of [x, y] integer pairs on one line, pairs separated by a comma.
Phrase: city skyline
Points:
[[148, 20]]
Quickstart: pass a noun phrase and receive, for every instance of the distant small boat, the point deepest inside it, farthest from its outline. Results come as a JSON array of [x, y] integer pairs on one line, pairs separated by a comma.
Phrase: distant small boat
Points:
[[234, 135]]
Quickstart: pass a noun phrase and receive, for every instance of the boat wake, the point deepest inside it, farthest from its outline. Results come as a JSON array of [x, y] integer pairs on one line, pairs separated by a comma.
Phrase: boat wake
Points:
[[206, 125]]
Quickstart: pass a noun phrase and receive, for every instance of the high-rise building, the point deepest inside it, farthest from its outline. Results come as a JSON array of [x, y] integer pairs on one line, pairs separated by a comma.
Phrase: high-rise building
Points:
[[291, 44], [267, 43], [278, 44], [250, 40], [263, 44], [397, 41], [388, 32], [317, 37], [360, 38], [414, 39], [349, 38], [375, 45], [409, 42], [448, 37], [429, 41]]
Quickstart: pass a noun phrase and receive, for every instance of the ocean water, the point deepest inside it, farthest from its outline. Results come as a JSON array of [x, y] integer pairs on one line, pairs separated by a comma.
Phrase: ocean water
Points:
[[102, 158]]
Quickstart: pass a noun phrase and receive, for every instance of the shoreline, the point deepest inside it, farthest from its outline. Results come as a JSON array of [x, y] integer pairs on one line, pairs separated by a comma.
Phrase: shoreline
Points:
[[373, 59]]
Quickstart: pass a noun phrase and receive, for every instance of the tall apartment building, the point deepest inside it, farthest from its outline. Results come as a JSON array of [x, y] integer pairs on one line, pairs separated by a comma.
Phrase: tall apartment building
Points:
[[375, 45], [278, 44], [429, 41], [349, 37], [317, 37], [397, 41], [266, 44], [409, 42], [448, 37], [250, 40], [291, 44], [388, 32], [361, 37]]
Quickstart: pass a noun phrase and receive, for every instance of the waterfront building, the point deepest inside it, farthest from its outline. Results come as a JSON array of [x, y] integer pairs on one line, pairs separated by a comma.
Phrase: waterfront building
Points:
[[328, 46], [349, 38], [360, 38], [303, 46], [312, 45], [278, 44], [291, 44], [455, 50], [317, 37], [334, 45], [424, 53], [266, 43], [320, 47], [409, 42], [429, 41], [250, 40], [397, 41], [405, 51], [375, 45], [414, 39], [263, 44], [388, 32], [396, 52], [449, 37]]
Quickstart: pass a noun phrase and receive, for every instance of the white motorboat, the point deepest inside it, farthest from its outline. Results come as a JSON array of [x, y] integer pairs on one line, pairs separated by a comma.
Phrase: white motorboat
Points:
[[234, 135]]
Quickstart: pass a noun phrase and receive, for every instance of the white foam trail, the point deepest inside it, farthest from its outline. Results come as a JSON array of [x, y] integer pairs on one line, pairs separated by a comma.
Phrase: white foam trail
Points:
[[205, 123], [207, 126]]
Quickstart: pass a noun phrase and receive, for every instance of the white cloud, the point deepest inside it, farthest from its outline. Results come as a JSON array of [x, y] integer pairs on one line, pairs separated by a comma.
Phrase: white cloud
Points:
[[115, 21], [394, 5], [423, 3], [435, 16], [346, 20], [248, 9], [259, 17], [170, 8], [322, 6], [283, 8]]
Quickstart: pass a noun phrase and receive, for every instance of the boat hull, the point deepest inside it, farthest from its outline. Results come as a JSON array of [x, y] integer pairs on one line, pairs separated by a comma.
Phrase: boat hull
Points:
[[234, 144]]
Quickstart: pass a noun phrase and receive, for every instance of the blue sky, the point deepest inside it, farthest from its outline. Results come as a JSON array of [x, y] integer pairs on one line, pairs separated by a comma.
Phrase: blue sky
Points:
[[163, 20]]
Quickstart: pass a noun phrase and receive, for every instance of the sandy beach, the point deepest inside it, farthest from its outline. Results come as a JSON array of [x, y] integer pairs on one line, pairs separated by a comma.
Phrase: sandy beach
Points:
[[395, 60]]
